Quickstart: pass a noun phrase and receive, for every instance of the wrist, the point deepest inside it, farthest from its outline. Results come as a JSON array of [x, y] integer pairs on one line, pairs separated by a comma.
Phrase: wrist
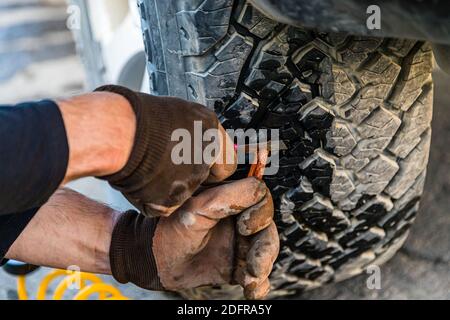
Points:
[[100, 131], [131, 253], [102, 244]]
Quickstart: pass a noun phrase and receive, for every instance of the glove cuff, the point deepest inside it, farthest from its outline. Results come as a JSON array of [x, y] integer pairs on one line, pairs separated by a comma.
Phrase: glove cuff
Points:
[[153, 132], [131, 254]]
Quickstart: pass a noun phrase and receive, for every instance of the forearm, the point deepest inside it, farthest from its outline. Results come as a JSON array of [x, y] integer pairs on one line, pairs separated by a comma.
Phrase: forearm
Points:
[[69, 230], [45, 144], [100, 131]]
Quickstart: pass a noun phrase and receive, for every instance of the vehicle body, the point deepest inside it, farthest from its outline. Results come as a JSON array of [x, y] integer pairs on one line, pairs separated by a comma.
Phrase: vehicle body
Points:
[[353, 105], [423, 20]]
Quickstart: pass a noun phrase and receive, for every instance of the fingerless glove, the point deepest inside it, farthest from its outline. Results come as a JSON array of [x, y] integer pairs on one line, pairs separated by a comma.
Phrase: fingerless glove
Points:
[[131, 255]]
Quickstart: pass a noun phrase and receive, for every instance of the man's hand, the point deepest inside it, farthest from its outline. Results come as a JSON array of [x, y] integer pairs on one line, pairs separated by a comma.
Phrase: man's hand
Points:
[[203, 244], [225, 235], [151, 180], [125, 137]]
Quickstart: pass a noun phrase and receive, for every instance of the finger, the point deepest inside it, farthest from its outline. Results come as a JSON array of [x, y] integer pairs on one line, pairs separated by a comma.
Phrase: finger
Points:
[[261, 164], [258, 293], [243, 278], [264, 249], [202, 188], [254, 287], [256, 218], [242, 248], [226, 162], [229, 199]]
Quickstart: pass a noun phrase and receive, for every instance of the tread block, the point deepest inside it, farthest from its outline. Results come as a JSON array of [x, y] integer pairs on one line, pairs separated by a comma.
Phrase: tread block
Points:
[[314, 245], [400, 47], [361, 105], [344, 88], [318, 168], [352, 263], [255, 22], [240, 113], [317, 120], [380, 70], [320, 215], [342, 141], [302, 193], [367, 239], [376, 132], [415, 191], [380, 123], [212, 87], [416, 72], [200, 28], [269, 75], [410, 168], [398, 220], [358, 50], [350, 162], [374, 177], [416, 121], [341, 186]]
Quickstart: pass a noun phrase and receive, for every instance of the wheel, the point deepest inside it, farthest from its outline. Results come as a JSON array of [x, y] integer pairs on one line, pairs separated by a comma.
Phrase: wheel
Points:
[[354, 112]]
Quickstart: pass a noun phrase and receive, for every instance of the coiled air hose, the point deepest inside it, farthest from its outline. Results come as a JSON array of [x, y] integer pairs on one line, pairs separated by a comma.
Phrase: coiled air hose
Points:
[[87, 285]]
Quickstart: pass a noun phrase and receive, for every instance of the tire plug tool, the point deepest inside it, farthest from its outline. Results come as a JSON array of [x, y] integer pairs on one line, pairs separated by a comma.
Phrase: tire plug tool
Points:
[[261, 151]]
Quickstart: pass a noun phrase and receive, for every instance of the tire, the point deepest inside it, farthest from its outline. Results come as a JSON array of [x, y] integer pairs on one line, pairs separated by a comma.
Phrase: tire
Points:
[[355, 113]]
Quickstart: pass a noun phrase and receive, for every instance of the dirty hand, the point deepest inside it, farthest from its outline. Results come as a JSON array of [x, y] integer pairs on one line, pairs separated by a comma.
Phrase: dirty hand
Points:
[[151, 180], [225, 235]]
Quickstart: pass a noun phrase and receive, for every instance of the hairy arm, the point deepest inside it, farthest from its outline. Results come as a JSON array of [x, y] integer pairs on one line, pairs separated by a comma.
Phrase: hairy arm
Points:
[[45, 144], [100, 129], [69, 230]]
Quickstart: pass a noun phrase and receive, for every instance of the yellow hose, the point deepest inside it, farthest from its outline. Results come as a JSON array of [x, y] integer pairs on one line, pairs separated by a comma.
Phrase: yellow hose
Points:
[[86, 292], [22, 288], [43, 286], [97, 286], [71, 279]]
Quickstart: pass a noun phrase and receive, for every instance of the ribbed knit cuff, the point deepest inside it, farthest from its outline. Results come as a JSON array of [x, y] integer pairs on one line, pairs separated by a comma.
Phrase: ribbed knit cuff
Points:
[[131, 255], [153, 132]]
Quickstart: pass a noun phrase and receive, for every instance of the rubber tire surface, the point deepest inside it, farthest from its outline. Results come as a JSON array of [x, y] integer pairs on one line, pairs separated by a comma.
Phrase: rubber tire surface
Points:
[[355, 113]]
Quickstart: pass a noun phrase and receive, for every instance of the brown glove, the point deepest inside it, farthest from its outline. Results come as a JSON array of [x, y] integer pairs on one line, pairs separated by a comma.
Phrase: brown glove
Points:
[[150, 180], [202, 243]]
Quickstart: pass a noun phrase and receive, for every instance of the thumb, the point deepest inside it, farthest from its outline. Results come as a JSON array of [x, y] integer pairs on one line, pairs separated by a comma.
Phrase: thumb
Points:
[[228, 199], [226, 162]]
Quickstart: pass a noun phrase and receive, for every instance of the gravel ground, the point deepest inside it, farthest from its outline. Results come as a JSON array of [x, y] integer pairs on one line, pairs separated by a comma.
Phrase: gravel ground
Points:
[[36, 56]]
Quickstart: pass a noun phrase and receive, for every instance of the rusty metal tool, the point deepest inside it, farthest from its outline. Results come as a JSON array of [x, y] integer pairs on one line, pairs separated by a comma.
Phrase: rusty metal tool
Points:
[[261, 151]]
